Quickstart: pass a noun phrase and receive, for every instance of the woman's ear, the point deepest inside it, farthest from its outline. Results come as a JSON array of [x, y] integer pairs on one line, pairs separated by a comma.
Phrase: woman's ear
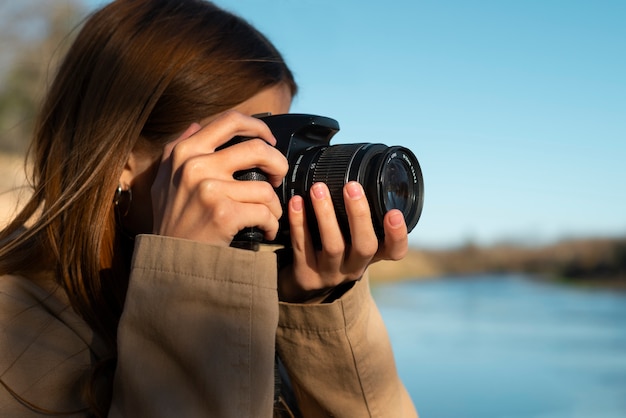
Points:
[[129, 173], [136, 179], [136, 166]]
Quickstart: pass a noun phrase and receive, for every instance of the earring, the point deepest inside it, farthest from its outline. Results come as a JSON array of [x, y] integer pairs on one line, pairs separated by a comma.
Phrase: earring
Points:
[[122, 200]]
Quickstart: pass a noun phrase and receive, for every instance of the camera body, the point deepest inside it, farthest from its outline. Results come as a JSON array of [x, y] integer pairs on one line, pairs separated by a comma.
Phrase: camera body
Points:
[[391, 176]]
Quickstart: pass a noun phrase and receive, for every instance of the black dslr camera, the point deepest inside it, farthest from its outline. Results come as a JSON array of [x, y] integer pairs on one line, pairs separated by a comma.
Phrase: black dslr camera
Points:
[[391, 176]]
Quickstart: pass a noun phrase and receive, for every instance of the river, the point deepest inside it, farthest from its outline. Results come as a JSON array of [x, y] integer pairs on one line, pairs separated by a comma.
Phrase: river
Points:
[[508, 347]]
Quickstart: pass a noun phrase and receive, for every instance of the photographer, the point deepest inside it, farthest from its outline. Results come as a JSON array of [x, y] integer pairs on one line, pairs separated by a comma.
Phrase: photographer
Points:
[[120, 294]]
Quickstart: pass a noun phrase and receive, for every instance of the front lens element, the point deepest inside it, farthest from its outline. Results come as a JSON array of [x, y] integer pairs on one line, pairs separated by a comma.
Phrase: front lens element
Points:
[[395, 185]]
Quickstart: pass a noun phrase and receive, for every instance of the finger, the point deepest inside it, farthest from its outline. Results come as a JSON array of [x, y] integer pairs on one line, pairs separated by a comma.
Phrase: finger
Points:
[[162, 181], [221, 130], [304, 253], [165, 170], [220, 208], [221, 165], [255, 215], [364, 241], [190, 131], [232, 123], [218, 225], [256, 192], [255, 153], [396, 243], [245, 195], [299, 230], [333, 245]]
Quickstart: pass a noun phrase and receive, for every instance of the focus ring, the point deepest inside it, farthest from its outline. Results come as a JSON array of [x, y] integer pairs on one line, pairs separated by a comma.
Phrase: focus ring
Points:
[[332, 168]]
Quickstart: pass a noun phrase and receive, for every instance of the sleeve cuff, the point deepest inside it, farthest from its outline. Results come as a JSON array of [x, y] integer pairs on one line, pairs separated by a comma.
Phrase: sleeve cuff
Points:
[[326, 317]]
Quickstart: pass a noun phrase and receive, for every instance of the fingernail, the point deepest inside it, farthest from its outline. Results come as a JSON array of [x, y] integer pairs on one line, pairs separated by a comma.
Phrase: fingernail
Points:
[[396, 219], [319, 191], [296, 204], [355, 190]]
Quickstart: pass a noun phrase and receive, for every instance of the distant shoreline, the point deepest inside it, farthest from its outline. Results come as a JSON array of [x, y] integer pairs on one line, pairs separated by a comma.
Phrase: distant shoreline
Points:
[[598, 262]]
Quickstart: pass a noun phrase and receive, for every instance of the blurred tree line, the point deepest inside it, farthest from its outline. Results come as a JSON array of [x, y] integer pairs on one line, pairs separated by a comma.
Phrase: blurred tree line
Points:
[[34, 34]]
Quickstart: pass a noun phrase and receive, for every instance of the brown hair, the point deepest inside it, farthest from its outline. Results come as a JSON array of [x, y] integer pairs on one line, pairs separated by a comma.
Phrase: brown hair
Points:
[[138, 73]]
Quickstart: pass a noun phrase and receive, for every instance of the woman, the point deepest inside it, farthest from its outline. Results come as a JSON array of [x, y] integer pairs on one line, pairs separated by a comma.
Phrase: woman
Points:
[[120, 294]]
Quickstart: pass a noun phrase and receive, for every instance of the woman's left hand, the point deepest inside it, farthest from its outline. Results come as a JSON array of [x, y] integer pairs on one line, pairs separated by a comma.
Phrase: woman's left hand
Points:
[[314, 273]]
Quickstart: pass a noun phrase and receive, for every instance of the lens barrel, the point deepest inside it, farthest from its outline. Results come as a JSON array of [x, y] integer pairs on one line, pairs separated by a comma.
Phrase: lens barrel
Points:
[[391, 178]]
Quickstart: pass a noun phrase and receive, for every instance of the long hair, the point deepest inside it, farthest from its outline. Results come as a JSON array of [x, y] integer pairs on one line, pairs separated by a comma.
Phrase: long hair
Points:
[[138, 73]]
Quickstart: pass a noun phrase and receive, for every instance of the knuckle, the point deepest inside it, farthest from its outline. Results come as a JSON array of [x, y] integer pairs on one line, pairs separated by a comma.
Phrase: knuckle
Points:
[[180, 151], [355, 275], [188, 171], [283, 168], [272, 225], [334, 249], [393, 253], [399, 255], [207, 190], [271, 217], [231, 116], [222, 214], [264, 214], [366, 249], [258, 147], [267, 193], [360, 211]]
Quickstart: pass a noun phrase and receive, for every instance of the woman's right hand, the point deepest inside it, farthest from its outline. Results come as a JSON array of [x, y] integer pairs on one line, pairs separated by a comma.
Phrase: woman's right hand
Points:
[[195, 196]]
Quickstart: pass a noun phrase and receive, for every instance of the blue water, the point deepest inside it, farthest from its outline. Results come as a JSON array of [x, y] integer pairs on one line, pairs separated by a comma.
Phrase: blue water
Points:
[[508, 347]]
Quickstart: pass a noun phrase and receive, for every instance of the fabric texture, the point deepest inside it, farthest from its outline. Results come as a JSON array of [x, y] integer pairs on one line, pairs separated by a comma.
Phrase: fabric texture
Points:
[[198, 338]]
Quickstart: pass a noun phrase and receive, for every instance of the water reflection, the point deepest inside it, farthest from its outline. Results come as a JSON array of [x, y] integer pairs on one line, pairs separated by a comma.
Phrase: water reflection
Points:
[[508, 347]]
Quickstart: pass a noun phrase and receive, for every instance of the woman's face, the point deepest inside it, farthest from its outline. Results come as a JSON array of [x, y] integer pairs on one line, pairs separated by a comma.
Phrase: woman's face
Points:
[[142, 168]]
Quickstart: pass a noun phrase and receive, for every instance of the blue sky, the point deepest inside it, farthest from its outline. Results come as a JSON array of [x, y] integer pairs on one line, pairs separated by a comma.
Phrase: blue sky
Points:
[[516, 110]]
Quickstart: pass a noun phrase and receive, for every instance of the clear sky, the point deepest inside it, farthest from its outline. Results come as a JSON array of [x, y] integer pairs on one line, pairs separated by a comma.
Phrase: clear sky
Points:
[[516, 110]]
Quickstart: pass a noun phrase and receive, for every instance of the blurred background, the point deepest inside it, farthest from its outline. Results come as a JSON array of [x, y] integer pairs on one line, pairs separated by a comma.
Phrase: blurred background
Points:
[[511, 302]]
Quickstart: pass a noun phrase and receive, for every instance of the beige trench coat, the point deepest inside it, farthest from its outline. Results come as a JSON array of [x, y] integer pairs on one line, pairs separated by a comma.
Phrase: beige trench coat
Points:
[[197, 338]]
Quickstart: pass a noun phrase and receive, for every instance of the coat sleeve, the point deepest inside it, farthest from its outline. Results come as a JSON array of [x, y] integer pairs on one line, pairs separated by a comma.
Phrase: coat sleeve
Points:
[[197, 336], [339, 358]]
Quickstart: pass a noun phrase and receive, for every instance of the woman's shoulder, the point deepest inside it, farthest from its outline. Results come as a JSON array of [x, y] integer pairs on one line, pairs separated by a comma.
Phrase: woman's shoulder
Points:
[[23, 297], [35, 313], [18, 289], [43, 347]]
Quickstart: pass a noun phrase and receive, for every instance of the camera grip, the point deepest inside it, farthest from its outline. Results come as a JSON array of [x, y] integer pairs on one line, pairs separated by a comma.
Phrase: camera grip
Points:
[[249, 238]]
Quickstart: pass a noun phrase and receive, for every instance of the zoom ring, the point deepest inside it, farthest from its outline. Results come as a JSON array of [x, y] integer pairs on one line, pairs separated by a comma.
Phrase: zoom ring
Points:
[[332, 168]]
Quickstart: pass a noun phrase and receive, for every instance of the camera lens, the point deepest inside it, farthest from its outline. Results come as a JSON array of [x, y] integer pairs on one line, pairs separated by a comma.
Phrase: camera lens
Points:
[[402, 184], [396, 186], [391, 178]]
